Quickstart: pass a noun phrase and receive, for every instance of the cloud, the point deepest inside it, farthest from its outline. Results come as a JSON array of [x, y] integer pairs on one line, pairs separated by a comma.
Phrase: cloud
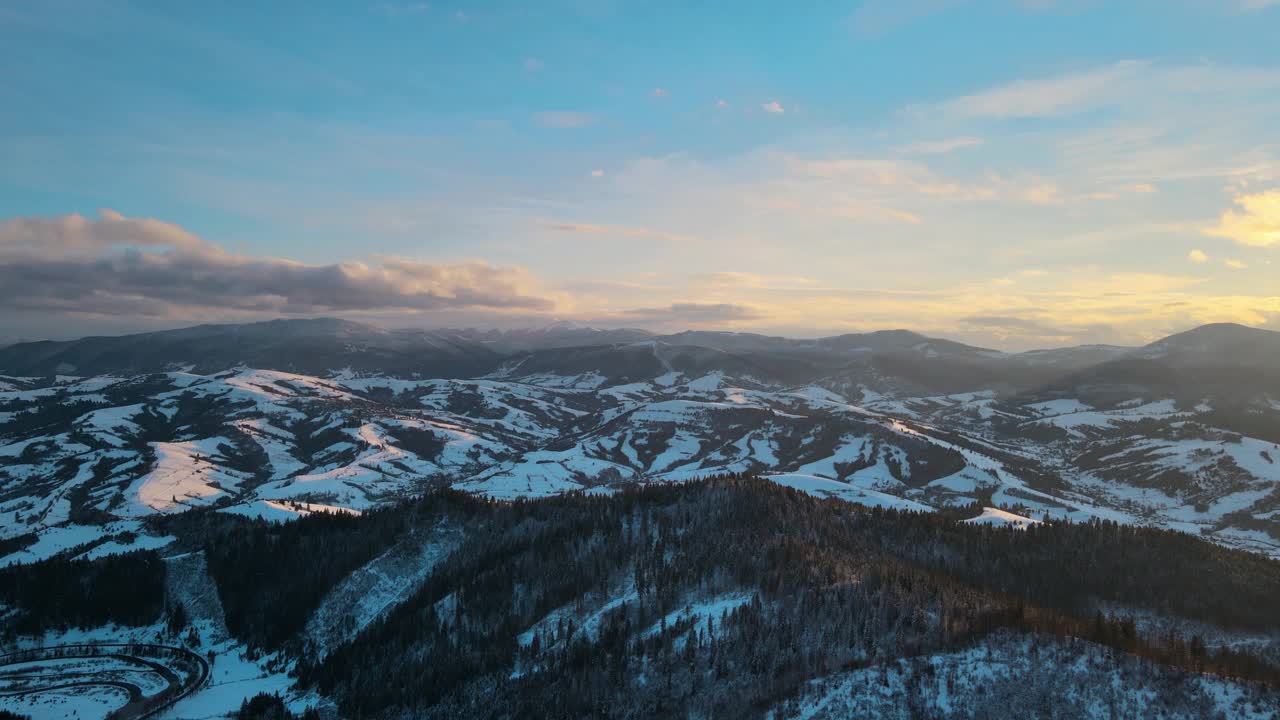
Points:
[[115, 265], [1115, 193], [1198, 256], [659, 92], [615, 230], [941, 147], [533, 64], [1021, 274], [731, 278], [1017, 324], [869, 211], [77, 238], [1028, 332], [597, 173], [722, 104], [919, 178], [872, 173], [831, 193], [564, 119], [1044, 193], [1235, 264], [773, 107], [73, 269], [1070, 306], [1258, 4], [1060, 95], [1257, 225], [694, 312]]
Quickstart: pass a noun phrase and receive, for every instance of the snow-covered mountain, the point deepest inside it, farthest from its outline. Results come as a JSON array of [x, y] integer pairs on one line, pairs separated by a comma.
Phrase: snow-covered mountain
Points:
[[670, 593], [276, 418]]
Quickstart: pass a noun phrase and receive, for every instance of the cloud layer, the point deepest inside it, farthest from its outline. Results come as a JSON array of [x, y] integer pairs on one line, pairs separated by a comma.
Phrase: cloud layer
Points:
[[144, 267], [691, 313]]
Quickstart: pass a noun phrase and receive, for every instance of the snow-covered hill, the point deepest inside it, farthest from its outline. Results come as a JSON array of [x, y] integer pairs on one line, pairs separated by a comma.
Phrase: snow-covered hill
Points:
[[83, 458]]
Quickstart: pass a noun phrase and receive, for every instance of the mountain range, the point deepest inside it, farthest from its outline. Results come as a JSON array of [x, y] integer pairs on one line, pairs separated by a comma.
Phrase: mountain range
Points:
[[1181, 433], [325, 345], [728, 524]]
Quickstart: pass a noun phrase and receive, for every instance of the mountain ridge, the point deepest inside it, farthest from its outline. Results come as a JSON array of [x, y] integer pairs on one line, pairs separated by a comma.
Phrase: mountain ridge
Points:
[[339, 343]]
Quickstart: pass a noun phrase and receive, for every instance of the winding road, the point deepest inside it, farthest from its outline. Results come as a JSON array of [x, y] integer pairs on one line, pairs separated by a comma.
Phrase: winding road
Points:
[[140, 704]]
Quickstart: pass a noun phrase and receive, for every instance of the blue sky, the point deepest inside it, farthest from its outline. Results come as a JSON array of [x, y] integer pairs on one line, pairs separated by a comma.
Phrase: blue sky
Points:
[[1015, 174]]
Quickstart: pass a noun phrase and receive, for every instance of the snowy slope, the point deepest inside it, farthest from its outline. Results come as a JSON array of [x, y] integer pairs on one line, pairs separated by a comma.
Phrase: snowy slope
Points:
[[259, 442], [1077, 679], [996, 517]]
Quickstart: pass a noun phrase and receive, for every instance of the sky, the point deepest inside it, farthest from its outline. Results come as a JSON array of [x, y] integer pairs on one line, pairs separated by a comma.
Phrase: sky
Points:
[[1010, 173]]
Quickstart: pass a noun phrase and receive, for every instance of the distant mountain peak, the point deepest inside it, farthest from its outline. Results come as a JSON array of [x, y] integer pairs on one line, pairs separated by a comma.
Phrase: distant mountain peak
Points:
[[1216, 343], [561, 325], [897, 333], [1221, 330]]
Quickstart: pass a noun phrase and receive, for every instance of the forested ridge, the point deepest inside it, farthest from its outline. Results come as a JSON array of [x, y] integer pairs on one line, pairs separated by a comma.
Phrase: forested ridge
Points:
[[715, 598], [62, 593], [271, 576], [830, 587]]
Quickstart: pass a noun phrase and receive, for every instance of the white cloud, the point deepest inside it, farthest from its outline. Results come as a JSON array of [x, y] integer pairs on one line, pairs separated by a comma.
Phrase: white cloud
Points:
[[736, 279], [533, 64], [722, 104], [848, 198], [1059, 95], [773, 107], [615, 231], [1198, 256], [1042, 193], [941, 147], [659, 92], [597, 173]]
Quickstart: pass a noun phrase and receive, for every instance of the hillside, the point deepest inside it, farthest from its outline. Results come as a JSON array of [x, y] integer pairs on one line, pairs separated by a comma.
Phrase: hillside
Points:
[[1132, 439], [896, 524], [730, 597]]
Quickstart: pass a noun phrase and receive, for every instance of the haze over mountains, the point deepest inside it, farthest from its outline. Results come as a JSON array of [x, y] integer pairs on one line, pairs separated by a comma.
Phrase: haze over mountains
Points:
[[325, 343], [1217, 357]]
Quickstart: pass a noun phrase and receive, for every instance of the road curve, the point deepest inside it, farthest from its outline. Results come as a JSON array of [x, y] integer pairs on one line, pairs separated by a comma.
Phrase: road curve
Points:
[[139, 706]]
